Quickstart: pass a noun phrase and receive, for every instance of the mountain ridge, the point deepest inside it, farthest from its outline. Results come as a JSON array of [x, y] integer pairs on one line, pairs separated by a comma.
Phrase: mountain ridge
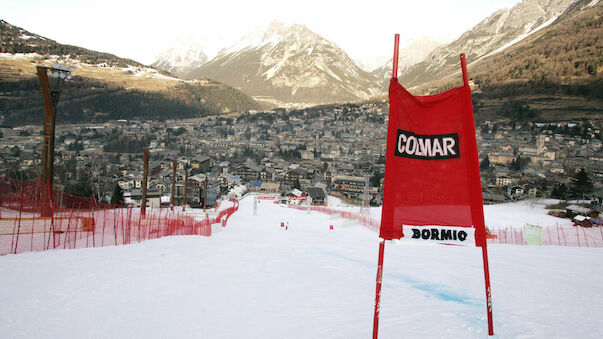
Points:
[[143, 91], [500, 30], [290, 64]]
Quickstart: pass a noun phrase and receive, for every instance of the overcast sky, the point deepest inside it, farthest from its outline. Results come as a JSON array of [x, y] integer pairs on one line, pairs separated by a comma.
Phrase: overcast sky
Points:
[[140, 29]]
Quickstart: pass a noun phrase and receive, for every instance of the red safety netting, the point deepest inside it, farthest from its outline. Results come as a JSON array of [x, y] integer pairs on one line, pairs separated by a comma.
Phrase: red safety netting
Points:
[[575, 236], [33, 197], [365, 221], [76, 222], [557, 235]]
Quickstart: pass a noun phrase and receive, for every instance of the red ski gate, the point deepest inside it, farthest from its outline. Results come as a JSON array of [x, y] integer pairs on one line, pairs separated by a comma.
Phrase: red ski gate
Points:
[[432, 180]]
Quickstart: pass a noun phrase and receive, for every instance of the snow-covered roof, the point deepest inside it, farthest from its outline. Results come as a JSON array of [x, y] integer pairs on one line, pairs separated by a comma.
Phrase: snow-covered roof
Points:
[[578, 209]]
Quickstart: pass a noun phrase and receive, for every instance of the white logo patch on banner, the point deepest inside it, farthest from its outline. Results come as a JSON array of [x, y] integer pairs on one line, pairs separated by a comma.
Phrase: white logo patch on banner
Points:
[[440, 235]]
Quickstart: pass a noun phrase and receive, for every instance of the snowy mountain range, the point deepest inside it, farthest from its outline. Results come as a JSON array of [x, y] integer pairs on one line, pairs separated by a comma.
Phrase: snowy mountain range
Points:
[[498, 31], [289, 63], [189, 53], [292, 64], [408, 56], [178, 60]]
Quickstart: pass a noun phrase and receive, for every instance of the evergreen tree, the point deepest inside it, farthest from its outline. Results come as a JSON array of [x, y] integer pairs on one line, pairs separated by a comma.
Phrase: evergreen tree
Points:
[[485, 164], [515, 164], [376, 179], [81, 188], [580, 184], [296, 184], [559, 191], [517, 111], [519, 163], [494, 128], [118, 195]]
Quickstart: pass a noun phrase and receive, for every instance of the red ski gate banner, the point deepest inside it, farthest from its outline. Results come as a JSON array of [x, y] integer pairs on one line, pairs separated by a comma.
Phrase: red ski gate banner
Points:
[[432, 189], [431, 168]]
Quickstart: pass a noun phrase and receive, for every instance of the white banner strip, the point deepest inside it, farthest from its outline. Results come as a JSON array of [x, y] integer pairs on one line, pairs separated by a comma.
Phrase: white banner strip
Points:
[[464, 236]]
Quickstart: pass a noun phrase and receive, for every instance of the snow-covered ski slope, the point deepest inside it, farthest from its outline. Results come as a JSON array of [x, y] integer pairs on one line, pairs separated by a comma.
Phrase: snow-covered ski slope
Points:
[[257, 280]]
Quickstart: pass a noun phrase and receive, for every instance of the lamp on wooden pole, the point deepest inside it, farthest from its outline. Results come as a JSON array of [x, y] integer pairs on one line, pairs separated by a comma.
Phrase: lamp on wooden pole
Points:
[[51, 91]]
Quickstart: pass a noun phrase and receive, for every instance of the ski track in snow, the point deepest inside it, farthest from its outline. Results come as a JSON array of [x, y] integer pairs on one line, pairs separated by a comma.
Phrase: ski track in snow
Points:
[[436, 290], [255, 279]]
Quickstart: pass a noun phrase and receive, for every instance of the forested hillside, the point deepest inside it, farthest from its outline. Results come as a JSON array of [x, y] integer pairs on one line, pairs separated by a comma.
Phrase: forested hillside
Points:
[[104, 86], [16, 40], [84, 99], [553, 74], [566, 58]]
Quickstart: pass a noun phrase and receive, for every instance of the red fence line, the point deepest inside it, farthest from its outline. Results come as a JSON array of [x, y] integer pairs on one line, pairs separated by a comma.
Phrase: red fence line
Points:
[[77, 222], [557, 235], [83, 229], [365, 221]]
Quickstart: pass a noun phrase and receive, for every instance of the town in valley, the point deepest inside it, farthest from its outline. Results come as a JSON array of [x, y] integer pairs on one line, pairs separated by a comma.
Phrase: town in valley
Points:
[[317, 151]]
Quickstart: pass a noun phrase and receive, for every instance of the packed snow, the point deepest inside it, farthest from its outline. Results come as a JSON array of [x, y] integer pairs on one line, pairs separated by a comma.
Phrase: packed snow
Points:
[[256, 279], [511, 214]]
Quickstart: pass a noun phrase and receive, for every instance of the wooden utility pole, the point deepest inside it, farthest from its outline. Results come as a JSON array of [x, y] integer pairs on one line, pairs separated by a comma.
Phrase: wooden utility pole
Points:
[[185, 187], [172, 197], [145, 178], [205, 197], [50, 99]]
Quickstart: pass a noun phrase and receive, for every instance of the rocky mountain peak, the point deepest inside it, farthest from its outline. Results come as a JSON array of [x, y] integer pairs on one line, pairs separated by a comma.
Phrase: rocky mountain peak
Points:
[[498, 31], [289, 64]]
